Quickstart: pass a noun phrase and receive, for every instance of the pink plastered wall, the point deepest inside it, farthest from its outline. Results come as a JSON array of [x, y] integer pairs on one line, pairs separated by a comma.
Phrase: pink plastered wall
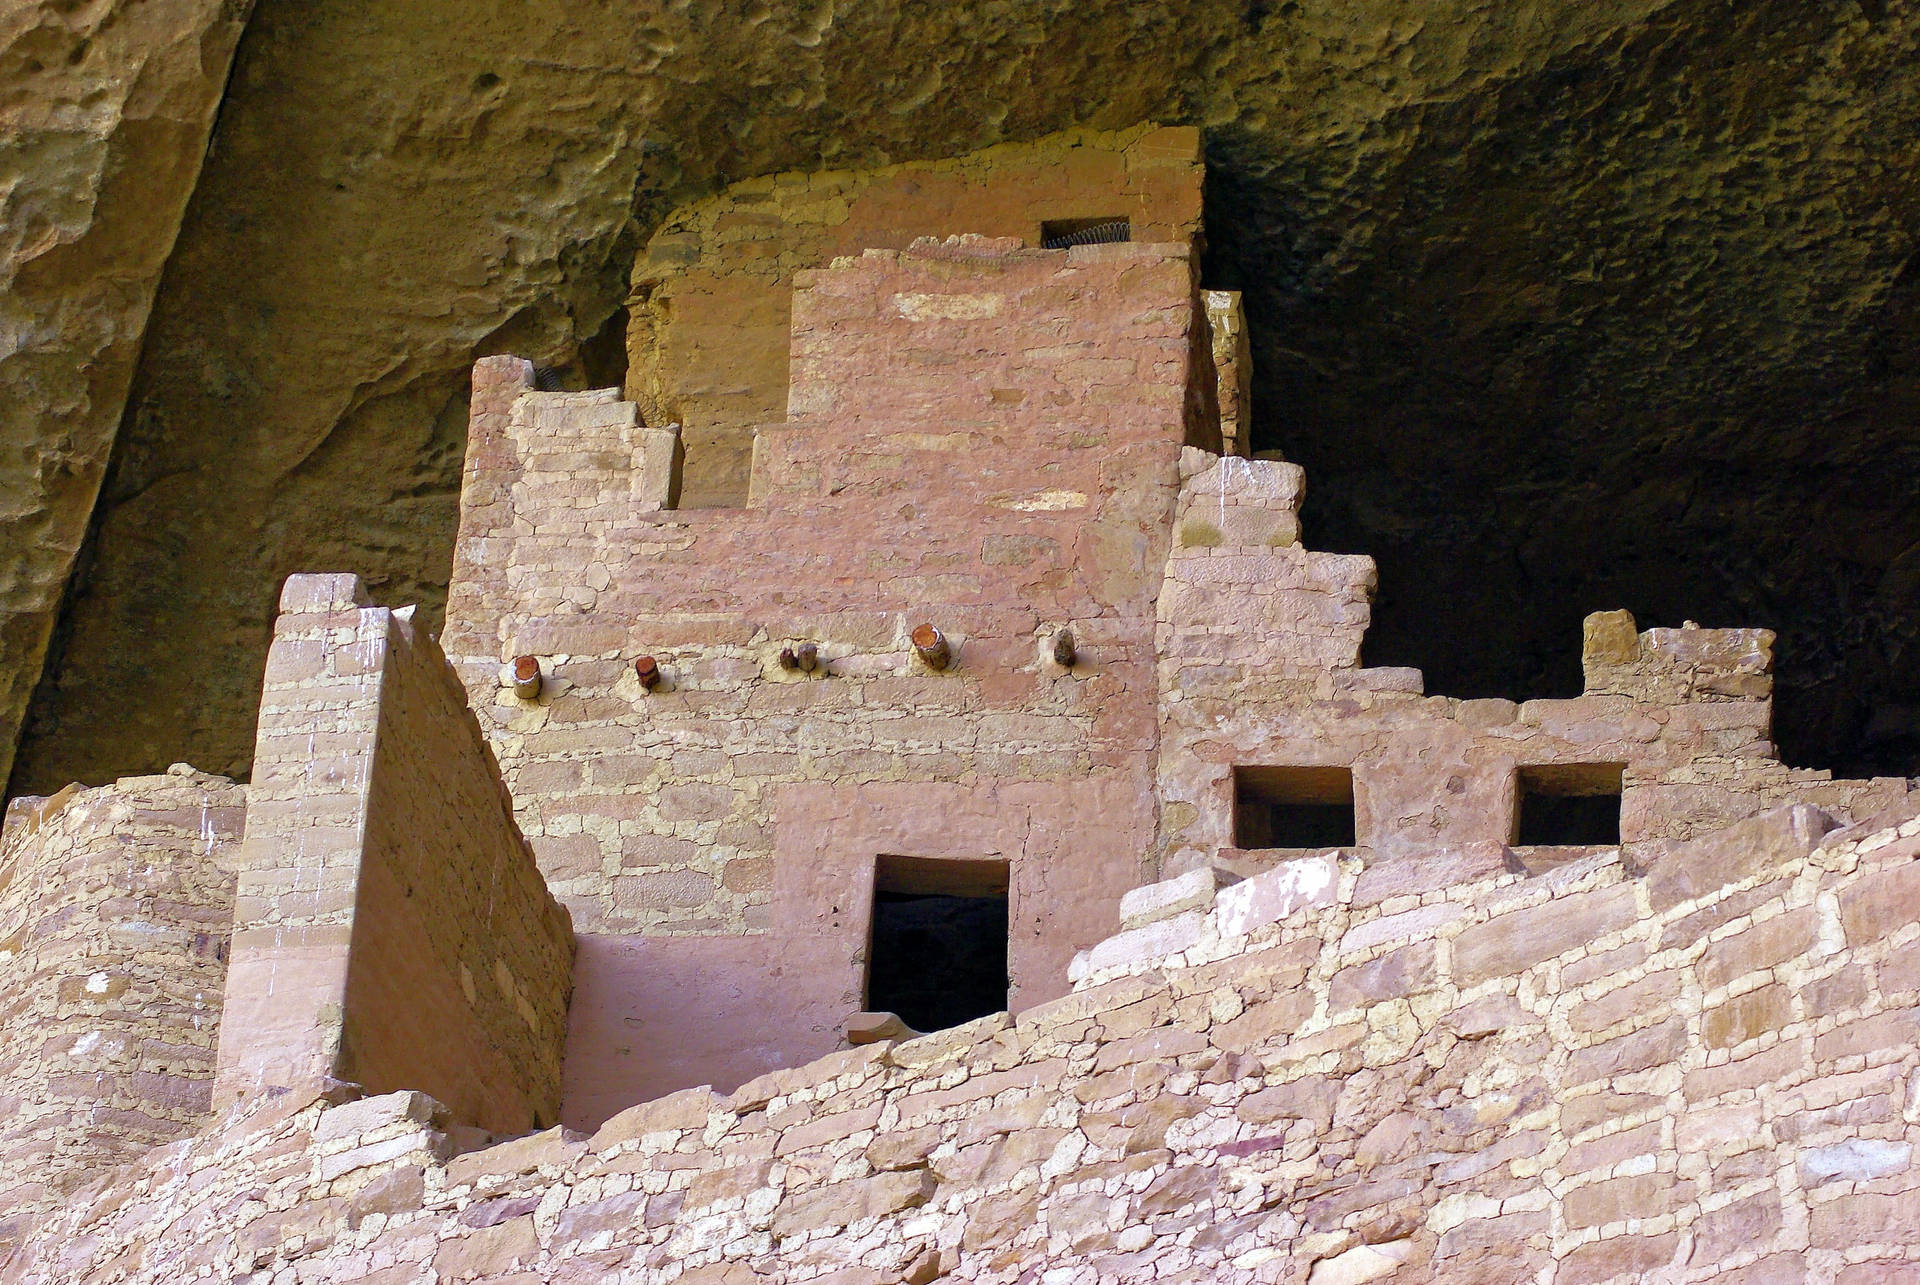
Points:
[[984, 437]]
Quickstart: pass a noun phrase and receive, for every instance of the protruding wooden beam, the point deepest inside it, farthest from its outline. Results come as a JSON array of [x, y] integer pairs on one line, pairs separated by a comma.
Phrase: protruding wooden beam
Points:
[[931, 646], [1063, 652], [527, 680], [804, 657], [647, 670]]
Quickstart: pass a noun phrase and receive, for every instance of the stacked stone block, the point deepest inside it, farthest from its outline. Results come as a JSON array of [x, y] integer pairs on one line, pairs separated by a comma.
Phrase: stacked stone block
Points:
[[1703, 1073], [115, 909], [392, 929]]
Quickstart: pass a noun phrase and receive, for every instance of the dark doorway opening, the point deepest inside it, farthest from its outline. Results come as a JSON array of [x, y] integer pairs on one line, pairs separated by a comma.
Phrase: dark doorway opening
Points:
[[1293, 807], [1568, 804], [937, 956]]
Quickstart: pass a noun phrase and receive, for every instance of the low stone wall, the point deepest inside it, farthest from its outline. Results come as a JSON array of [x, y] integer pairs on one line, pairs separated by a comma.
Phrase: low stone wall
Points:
[[1422, 1070], [115, 907], [392, 927]]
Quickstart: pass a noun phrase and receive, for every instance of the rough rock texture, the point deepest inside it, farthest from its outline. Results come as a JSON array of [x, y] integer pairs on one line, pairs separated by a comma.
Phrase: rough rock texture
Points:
[[1570, 306], [115, 908], [105, 108], [1706, 1073]]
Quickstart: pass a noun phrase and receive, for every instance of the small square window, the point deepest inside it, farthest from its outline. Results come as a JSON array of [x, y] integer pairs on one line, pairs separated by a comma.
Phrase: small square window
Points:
[[1059, 234], [1568, 804], [1293, 807], [937, 955]]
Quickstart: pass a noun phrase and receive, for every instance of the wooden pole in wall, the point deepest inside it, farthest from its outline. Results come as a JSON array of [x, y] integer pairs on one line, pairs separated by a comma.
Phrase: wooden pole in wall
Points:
[[931, 645]]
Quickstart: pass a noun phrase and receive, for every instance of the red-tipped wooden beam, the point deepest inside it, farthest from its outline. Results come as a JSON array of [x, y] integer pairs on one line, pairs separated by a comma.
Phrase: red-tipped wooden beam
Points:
[[931, 646], [526, 677], [647, 670]]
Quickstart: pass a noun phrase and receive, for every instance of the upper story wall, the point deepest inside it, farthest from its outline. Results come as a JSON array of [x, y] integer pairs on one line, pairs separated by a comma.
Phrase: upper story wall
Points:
[[1260, 645], [115, 908], [708, 339], [985, 439], [391, 927]]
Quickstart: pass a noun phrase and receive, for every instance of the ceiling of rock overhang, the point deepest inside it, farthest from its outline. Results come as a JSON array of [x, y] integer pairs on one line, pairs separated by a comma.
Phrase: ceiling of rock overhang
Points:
[[1564, 305]]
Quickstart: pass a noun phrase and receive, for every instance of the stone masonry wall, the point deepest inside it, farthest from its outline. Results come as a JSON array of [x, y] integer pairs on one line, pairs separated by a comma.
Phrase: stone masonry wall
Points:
[[1259, 650], [1331, 1072], [708, 341], [983, 437], [392, 928], [115, 908]]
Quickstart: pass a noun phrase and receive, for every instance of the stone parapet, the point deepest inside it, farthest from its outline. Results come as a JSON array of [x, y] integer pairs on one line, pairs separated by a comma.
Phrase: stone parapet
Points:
[[392, 929], [115, 908], [1704, 1072]]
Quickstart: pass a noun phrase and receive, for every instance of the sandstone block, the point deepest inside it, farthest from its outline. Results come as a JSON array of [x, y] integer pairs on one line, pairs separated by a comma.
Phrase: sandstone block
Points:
[[1144, 945], [1747, 1016], [1617, 1199], [1391, 976], [491, 1251], [842, 1204], [368, 1114], [1361, 1263], [1152, 902], [1764, 843], [1764, 945], [1855, 1160], [687, 1109], [1515, 942], [1881, 903], [1274, 894]]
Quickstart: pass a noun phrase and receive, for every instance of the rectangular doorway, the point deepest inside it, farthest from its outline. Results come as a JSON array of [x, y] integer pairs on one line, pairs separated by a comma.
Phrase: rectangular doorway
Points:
[[937, 949]]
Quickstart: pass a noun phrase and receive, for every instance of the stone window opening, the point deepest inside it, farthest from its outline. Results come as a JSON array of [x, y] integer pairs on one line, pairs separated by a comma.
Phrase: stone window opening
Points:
[[1567, 805], [1059, 234], [1293, 807], [937, 945]]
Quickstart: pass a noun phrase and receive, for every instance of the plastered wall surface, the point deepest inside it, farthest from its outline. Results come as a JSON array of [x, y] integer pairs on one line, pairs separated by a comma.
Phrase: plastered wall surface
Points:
[[710, 309], [1023, 489], [115, 908], [1337, 1072], [391, 929]]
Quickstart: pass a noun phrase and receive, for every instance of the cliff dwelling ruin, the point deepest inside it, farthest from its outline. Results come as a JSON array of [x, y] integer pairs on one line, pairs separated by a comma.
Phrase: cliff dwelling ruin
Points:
[[894, 792]]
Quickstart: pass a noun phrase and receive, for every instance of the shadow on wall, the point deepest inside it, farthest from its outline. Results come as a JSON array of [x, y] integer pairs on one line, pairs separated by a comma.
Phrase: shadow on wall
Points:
[[1494, 428]]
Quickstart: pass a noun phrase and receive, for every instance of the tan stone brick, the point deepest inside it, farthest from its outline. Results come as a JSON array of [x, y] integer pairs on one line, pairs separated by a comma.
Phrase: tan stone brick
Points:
[[1880, 903], [1622, 1256], [1617, 1199], [1885, 1032], [1514, 942], [1747, 1016], [1651, 994], [1654, 1046], [843, 1203], [1744, 1225], [1762, 946]]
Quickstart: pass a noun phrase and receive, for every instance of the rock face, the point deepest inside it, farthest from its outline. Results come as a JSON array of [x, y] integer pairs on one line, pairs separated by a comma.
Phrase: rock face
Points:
[[104, 114], [1568, 307]]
